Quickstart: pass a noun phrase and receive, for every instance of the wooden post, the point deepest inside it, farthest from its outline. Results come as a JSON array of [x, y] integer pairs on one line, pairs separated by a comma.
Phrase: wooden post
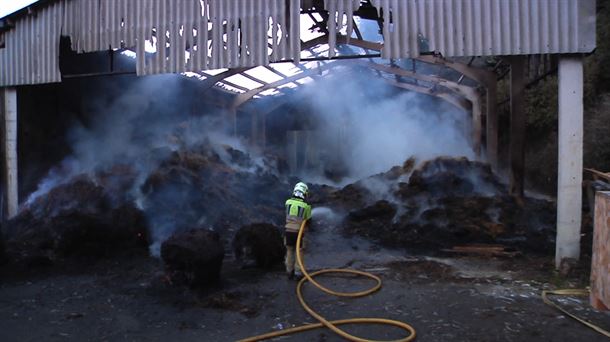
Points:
[[517, 125], [254, 128], [232, 118], [570, 141], [477, 126], [492, 123], [488, 79], [600, 261], [263, 121], [9, 111]]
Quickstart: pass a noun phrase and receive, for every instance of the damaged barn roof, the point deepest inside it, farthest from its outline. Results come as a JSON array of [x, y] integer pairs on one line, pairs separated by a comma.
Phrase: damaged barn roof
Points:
[[235, 38]]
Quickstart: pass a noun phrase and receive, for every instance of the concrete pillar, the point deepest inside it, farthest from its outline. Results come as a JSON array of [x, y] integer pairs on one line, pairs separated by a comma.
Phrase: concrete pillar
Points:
[[569, 182], [9, 105], [517, 125], [492, 124]]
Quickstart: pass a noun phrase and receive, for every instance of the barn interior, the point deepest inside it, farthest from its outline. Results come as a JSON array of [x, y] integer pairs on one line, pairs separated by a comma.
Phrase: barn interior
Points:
[[144, 180]]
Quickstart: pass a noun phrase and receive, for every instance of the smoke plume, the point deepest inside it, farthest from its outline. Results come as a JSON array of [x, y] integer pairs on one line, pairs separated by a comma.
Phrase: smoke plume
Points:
[[371, 126], [129, 130]]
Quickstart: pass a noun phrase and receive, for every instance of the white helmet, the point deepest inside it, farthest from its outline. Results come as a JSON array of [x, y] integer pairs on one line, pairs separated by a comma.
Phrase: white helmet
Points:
[[300, 190]]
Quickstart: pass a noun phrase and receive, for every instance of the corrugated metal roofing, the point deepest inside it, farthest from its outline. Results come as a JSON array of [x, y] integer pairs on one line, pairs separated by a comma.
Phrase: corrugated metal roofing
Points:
[[240, 33], [189, 35], [458, 28]]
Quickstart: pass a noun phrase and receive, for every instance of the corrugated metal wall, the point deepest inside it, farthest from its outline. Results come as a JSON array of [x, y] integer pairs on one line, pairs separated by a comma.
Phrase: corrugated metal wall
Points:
[[196, 35], [235, 33], [31, 50], [482, 27]]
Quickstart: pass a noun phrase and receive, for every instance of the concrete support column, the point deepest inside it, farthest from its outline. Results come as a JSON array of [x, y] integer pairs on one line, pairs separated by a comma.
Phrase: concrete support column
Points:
[[517, 125], [569, 182], [492, 124], [9, 106]]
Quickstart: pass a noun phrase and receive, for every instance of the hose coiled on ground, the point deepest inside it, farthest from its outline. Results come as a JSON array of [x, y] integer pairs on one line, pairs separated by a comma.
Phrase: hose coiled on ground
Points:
[[323, 322]]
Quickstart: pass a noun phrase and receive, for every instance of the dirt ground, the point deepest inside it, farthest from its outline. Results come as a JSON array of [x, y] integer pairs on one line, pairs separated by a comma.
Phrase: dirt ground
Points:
[[445, 298]]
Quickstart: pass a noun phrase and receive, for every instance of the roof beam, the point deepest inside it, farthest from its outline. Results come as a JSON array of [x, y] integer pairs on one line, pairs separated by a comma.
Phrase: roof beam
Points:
[[270, 68], [462, 90], [211, 80], [242, 88], [242, 98], [252, 78], [459, 103]]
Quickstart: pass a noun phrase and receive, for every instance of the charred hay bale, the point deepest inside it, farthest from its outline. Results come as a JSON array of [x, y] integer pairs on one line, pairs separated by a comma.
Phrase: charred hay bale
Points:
[[351, 195], [397, 171], [116, 179], [531, 224], [381, 211], [458, 220], [373, 221], [75, 219], [193, 258], [446, 176], [80, 192], [120, 230], [191, 187], [238, 157], [261, 243]]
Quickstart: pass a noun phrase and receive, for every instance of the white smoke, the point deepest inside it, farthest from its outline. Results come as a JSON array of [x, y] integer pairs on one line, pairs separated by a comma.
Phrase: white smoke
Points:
[[148, 120], [137, 125], [371, 127]]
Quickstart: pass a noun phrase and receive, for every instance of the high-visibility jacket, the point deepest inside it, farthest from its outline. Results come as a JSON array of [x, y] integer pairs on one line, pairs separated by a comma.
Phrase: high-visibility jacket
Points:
[[297, 211]]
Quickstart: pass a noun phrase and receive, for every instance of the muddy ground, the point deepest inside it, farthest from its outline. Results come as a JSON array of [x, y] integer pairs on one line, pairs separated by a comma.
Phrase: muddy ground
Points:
[[445, 298]]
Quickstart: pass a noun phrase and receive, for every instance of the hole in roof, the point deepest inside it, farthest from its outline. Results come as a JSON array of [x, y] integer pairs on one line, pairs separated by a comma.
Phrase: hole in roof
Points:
[[244, 81], [263, 74]]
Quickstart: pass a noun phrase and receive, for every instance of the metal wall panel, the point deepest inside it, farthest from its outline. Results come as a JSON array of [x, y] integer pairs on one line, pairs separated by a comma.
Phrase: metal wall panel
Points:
[[189, 35], [194, 35], [458, 28], [31, 49]]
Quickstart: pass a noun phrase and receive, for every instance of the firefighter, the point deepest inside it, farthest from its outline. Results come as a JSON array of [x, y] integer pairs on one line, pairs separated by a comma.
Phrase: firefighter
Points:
[[297, 210]]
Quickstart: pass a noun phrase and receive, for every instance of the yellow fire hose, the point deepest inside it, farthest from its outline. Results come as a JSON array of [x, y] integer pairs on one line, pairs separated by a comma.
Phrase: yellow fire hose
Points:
[[572, 292], [332, 325]]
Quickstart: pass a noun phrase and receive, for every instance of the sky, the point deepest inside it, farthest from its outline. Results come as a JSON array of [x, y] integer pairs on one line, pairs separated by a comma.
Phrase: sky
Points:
[[9, 6]]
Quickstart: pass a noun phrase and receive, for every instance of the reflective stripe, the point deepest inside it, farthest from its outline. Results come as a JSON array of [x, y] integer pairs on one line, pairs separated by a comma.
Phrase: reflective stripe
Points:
[[297, 211]]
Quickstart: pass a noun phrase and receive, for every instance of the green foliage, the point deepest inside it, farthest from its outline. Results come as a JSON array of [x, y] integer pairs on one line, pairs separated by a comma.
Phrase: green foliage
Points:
[[541, 108], [598, 64], [597, 135]]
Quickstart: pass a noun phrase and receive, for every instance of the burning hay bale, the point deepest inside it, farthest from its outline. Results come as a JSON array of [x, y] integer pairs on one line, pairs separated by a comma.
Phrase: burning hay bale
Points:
[[443, 177], [363, 192], [454, 201], [260, 244], [196, 186], [193, 258], [77, 218]]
